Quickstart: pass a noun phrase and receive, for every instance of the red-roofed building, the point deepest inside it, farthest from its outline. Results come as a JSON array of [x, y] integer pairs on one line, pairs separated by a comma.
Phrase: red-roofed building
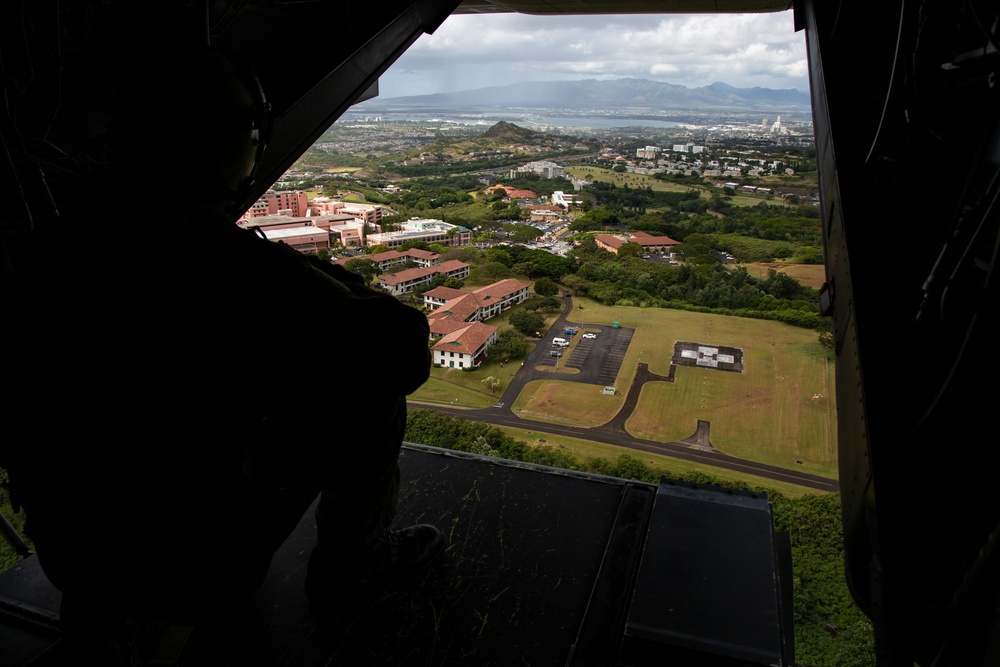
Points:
[[609, 243], [407, 280], [465, 347], [477, 305], [386, 260], [652, 243], [437, 297]]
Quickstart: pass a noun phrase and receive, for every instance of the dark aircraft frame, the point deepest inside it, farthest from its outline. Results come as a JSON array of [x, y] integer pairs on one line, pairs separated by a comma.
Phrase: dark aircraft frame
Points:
[[906, 104]]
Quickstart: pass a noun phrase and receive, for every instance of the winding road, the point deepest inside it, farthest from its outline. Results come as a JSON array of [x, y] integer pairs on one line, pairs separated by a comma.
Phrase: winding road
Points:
[[604, 356]]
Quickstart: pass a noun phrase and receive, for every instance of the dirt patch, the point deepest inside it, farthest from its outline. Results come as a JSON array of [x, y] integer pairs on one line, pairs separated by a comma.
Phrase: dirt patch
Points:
[[810, 275]]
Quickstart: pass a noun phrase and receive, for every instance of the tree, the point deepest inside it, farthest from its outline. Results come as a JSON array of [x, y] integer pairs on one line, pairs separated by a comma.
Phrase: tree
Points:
[[525, 268], [526, 323], [550, 303], [499, 255], [509, 345], [524, 233], [489, 271], [546, 286], [492, 382], [365, 268], [630, 249]]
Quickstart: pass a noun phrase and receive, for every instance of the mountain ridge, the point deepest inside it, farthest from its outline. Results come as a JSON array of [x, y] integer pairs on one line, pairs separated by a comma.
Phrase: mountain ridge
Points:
[[608, 95]]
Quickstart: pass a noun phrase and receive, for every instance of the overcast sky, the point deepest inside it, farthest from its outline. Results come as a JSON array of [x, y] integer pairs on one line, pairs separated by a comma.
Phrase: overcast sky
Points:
[[476, 51]]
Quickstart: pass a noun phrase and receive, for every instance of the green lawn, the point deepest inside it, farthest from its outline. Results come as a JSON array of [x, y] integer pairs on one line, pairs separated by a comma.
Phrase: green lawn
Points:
[[668, 465], [642, 180], [453, 386], [780, 410]]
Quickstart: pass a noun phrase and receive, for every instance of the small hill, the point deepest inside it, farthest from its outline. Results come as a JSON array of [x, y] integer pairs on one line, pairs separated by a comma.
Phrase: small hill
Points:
[[505, 131]]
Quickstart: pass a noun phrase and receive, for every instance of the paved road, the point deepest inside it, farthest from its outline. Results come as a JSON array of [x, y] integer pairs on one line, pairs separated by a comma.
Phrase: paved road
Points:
[[603, 357]]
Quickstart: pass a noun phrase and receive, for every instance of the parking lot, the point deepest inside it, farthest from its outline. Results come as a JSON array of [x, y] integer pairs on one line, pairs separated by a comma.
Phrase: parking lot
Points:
[[598, 359]]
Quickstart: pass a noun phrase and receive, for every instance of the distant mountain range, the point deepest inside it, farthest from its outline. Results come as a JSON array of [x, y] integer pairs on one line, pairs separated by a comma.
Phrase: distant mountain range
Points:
[[618, 94]]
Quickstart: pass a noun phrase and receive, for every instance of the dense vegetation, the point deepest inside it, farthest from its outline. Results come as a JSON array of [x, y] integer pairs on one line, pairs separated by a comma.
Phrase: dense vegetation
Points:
[[703, 286], [829, 629], [8, 557]]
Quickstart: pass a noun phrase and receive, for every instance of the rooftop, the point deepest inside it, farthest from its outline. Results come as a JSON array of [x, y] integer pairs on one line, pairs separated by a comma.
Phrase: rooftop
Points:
[[467, 340]]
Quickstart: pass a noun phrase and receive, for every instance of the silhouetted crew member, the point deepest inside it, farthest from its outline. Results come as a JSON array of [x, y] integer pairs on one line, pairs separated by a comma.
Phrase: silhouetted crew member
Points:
[[182, 389]]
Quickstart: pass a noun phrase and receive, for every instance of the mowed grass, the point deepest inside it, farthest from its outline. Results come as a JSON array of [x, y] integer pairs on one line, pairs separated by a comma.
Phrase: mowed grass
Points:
[[810, 275], [780, 410], [642, 181], [561, 402], [452, 386], [461, 388], [583, 449]]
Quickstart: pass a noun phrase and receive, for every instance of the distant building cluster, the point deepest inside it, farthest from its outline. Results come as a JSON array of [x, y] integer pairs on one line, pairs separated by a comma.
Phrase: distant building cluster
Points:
[[543, 168], [288, 216], [423, 229]]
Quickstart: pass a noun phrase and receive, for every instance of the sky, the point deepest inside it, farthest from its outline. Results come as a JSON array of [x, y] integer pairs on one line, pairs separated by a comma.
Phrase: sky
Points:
[[477, 51]]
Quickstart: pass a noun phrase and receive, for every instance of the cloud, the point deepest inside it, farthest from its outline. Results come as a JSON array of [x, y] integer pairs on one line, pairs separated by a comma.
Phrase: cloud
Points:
[[663, 68], [475, 51]]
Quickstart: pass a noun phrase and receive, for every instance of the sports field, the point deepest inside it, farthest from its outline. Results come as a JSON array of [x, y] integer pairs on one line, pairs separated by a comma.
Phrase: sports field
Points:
[[780, 410]]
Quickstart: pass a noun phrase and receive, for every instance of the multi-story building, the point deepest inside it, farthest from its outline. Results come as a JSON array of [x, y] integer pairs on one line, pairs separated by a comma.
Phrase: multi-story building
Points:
[[562, 199], [542, 167], [390, 258], [288, 202], [370, 213], [451, 305], [465, 347], [422, 229], [407, 280], [304, 239]]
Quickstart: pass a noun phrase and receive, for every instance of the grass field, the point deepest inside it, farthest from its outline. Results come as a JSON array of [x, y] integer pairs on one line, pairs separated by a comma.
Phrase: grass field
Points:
[[810, 275], [452, 386], [642, 180], [780, 410], [668, 465]]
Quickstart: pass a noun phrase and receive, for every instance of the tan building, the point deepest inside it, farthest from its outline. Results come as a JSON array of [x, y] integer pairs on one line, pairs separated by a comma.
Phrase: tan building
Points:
[[304, 239], [423, 229], [290, 202], [370, 213], [609, 243]]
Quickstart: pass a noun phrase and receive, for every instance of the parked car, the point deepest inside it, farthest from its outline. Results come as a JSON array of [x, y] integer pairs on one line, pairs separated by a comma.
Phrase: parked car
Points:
[[590, 335]]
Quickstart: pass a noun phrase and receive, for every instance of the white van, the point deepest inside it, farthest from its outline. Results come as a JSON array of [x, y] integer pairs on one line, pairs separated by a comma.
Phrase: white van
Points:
[[561, 342]]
